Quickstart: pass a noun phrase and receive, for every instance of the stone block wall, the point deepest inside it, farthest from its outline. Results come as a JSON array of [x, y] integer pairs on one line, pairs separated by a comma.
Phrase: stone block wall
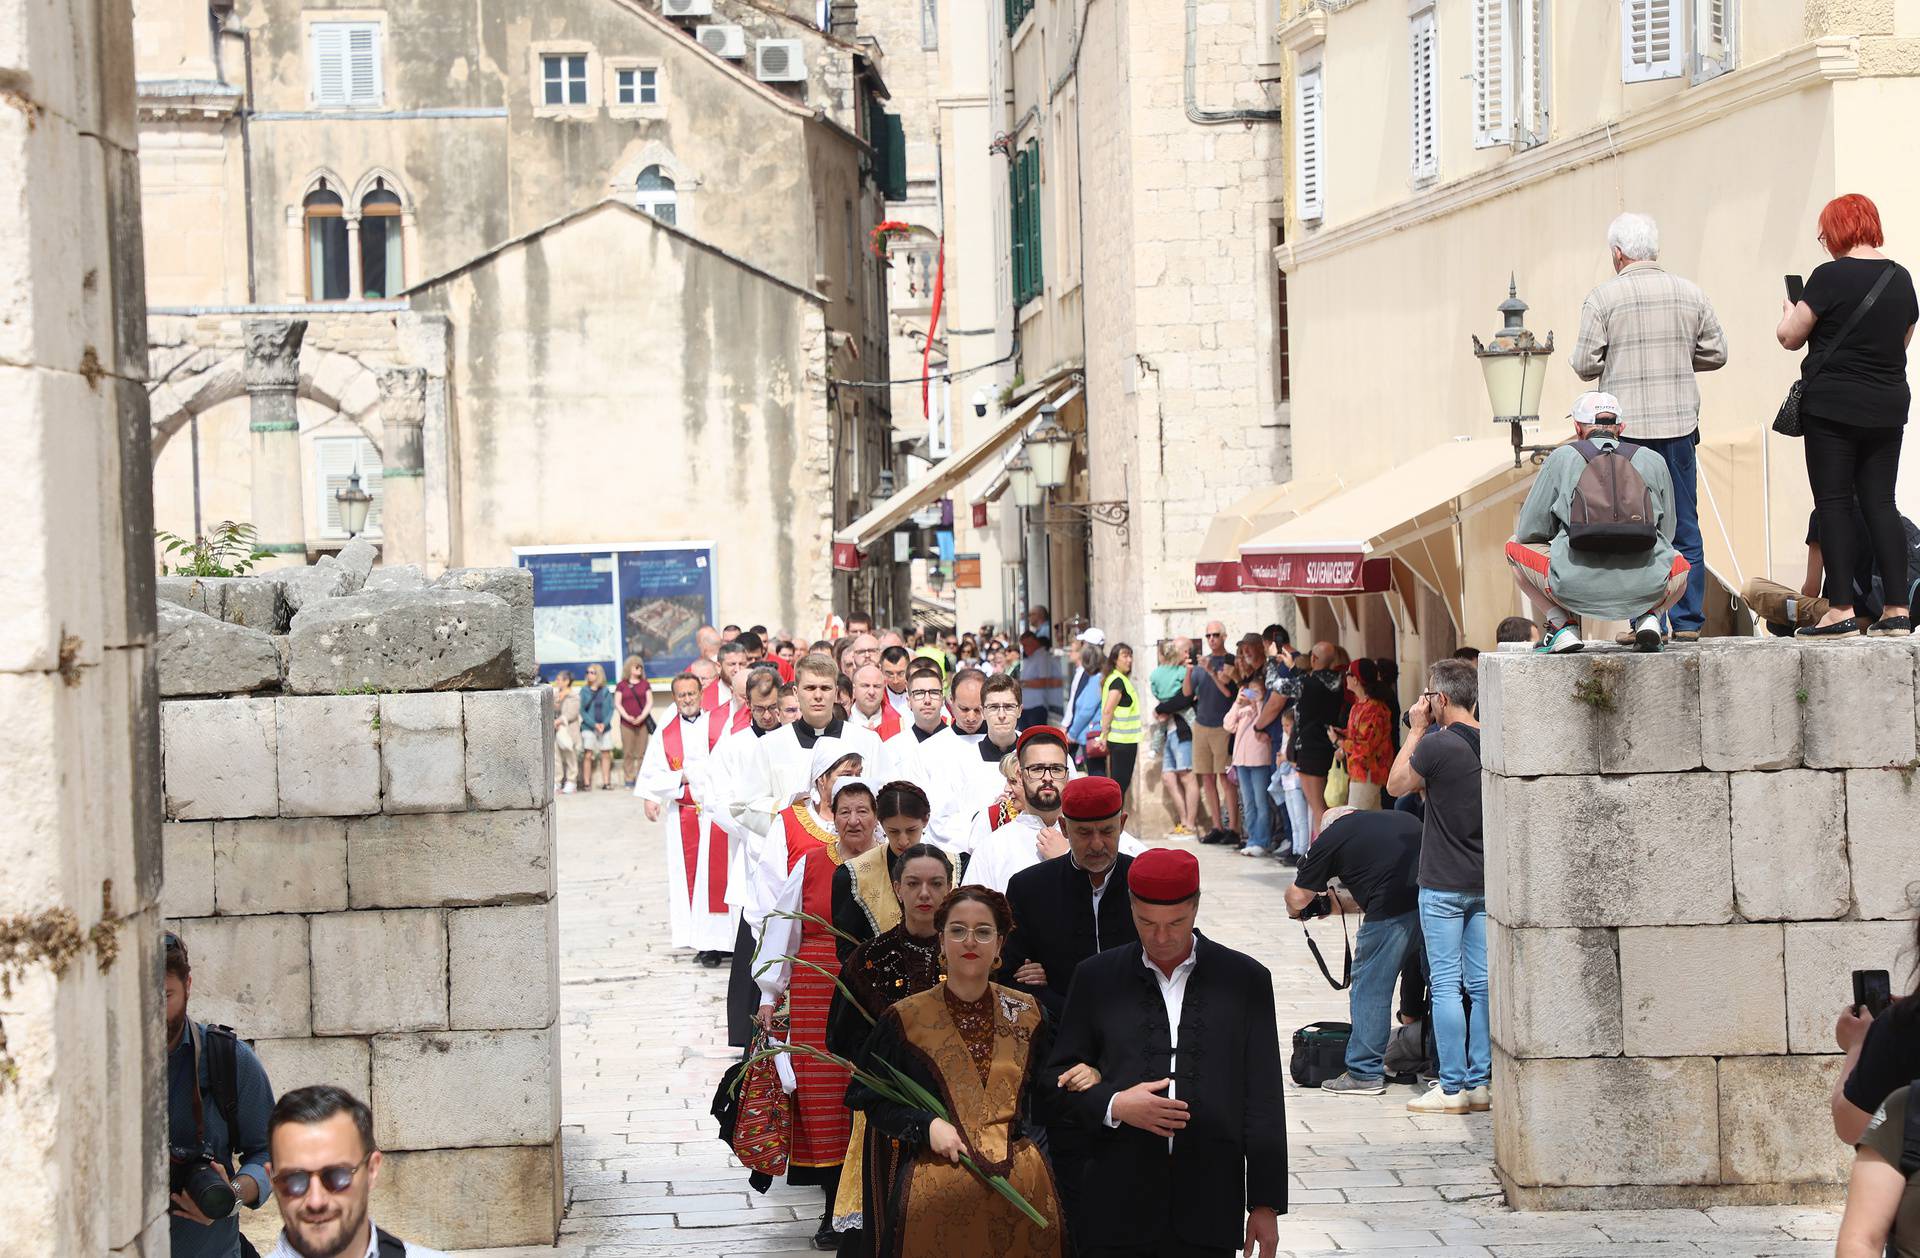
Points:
[[366, 886], [1687, 856]]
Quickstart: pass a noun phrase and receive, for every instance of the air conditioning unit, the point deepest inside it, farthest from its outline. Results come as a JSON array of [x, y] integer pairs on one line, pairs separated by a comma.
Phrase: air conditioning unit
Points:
[[723, 41], [780, 61], [686, 8]]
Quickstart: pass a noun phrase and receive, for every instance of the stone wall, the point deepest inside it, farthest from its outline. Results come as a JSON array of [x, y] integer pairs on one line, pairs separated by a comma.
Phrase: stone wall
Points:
[[1687, 856], [366, 880]]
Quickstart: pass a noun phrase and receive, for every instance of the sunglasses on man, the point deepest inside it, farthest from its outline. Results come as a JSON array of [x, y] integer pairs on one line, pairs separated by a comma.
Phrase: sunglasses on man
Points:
[[336, 1179]]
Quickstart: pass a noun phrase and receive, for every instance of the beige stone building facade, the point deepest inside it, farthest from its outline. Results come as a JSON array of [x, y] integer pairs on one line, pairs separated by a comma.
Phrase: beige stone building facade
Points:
[[419, 182], [1436, 150]]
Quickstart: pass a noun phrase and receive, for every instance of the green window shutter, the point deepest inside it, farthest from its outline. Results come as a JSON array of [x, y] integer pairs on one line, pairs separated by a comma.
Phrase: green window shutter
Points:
[[893, 150], [1016, 221], [1036, 274]]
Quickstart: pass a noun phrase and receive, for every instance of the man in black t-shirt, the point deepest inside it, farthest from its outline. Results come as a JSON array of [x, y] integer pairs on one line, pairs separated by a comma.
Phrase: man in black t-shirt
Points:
[[1376, 857]]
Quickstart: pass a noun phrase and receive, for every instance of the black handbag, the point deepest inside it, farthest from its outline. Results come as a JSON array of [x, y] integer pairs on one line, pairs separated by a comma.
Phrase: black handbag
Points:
[[1319, 1053], [1786, 421]]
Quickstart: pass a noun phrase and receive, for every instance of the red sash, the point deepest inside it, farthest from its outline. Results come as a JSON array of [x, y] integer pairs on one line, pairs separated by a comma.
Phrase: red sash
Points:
[[889, 721], [714, 696], [690, 824], [1001, 813]]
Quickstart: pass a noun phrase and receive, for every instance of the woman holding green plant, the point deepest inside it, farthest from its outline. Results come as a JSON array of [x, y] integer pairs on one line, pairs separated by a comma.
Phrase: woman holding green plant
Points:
[[965, 1058]]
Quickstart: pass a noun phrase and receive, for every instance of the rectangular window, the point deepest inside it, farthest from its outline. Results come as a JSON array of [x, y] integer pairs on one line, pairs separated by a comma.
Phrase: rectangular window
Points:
[[1029, 275], [346, 64], [1512, 64], [1492, 73], [335, 459], [1423, 59], [1714, 30], [1309, 158], [637, 85], [929, 25], [1017, 11], [1650, 43], [1533, 113], [565, 78], [1282, 338]]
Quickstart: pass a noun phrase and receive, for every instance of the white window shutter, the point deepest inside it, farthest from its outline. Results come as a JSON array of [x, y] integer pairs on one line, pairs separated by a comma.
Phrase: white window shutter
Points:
[[1650, 45], [1309, 156], [336, 457], [1533, 64], [1422, 57], [329, 63], [1713, 38], [1492, 74], [363, 62]]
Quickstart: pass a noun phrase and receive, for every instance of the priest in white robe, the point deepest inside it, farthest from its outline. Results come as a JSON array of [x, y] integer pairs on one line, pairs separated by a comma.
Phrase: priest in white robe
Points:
[[674, 782]]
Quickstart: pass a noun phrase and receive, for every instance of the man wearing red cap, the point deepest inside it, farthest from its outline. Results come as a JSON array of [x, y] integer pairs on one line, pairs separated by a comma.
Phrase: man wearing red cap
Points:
[[1188, 1154], [1034, 834]]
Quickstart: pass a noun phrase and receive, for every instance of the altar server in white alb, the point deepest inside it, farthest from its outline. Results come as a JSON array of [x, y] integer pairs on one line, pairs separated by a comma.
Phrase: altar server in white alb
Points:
[[769, 783], [1008, 838], [732, 760], [674, 782]]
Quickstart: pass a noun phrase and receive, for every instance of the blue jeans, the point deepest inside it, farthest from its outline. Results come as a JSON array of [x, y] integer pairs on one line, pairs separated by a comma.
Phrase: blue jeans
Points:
[[1690, 611], [1256, 809], [1455, 926], [1379, 950]]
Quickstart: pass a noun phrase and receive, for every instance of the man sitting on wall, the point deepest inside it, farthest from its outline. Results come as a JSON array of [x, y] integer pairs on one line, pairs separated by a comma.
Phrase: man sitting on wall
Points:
[[1595, 535]]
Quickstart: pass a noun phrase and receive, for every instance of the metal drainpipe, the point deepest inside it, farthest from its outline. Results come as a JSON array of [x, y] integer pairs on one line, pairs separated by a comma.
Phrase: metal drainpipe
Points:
[[246, 143], [1212, 117]]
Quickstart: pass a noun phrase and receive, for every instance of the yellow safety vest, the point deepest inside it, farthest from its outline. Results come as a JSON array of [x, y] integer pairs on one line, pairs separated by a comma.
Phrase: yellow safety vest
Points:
[[1125, 725]]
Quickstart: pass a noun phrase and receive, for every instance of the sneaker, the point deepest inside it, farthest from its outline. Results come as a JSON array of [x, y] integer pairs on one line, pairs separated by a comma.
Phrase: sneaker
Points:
[[1646, 634], [568, 789], [1179, 832], [1564, 640], [1891, 627], [1253, 850], [1347, 1085], [1436, 1100], [1848, 628], [1480, 1099]]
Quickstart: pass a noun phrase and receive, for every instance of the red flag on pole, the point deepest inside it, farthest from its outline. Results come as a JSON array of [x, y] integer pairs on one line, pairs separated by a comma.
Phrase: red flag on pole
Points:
[[933, 326]]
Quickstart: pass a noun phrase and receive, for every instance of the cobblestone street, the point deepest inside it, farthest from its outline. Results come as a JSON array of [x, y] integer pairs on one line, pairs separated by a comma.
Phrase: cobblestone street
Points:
[[642, 1052]]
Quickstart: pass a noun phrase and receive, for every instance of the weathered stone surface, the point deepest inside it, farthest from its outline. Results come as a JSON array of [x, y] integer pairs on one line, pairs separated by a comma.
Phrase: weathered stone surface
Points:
[[198, 655], [1649, 849], [1883, 841], [280, 865], [423, 753], [515, 585], [1703, 991], [460, 1199], [1532, 723], [503, 966], [1555, 993], [450, 859], [1653, 722], [415, 640], [329, 755], [1821, 959], [220, 758], [195, 593], [510, 748], [341, 1061], [255, 602], [1790, 845], [313, 585], [250, 972], [188, 853], [356, 559], [1859, 709], [395, 578], [458, 1089], [375, 972], [1754, 718], [1607, 1120], [1775, 1125], [1604, 712]]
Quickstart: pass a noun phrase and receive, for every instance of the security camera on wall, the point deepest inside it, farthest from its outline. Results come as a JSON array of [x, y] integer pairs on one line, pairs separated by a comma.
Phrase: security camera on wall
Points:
[[980, 403]]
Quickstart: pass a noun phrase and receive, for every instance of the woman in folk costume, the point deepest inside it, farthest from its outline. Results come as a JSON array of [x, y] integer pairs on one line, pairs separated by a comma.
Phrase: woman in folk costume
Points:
[[900, 961], [797, 864], [863, 899], [982, 1049]]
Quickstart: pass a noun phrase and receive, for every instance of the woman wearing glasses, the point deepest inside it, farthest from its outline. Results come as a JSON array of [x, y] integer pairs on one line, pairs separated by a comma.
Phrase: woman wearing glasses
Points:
[[981, 1048]]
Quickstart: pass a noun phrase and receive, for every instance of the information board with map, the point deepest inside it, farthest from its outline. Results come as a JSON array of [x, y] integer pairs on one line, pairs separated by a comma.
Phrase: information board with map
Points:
[[600, 604]]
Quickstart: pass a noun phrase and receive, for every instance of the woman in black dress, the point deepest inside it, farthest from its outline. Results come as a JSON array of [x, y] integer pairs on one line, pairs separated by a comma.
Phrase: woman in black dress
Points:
[[1853, 407]]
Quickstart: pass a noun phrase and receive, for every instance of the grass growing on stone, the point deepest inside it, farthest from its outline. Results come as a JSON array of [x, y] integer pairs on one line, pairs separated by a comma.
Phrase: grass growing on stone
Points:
[[369, 689]]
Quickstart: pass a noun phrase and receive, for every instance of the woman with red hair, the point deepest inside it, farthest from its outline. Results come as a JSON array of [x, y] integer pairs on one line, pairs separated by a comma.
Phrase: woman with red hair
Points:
[[1856, 318]]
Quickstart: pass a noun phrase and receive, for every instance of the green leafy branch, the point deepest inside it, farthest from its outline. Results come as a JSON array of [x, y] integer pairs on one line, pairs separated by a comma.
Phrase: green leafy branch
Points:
[[230, 550]]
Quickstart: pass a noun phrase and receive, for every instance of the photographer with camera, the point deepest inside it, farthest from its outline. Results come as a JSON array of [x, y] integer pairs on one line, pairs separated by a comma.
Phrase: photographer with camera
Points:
[[218, 1103], [1376, 857]]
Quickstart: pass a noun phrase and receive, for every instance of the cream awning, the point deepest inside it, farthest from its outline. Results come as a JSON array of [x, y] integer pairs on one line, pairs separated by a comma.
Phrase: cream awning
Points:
[[1216, 568], [947, 474]]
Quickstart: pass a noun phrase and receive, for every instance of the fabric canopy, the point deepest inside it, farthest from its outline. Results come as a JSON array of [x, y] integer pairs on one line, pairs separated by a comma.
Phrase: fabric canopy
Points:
[[1216, 569]]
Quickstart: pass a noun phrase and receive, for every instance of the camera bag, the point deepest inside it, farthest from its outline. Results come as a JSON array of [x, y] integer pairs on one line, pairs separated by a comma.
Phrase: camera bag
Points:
[[1319, 1052]]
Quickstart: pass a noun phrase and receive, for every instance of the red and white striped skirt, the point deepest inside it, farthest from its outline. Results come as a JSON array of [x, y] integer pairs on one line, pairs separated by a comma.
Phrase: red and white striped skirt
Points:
[[821, 1122]]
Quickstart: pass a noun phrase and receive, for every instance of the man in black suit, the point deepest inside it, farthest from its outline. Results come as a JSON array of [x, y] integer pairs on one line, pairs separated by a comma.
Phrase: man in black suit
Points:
[[1068, 908], [1189, 1128]]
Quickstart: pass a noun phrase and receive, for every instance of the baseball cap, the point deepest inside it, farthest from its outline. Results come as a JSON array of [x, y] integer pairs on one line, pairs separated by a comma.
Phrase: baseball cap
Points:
[[1590, 405], [1092, 637]]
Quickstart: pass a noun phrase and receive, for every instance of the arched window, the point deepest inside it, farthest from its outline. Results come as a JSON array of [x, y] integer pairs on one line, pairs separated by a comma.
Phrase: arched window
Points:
[[327, 264], [382, 272], [655, 195]]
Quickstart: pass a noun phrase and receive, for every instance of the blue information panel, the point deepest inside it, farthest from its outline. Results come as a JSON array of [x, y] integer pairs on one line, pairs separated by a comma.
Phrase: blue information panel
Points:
[[597, 605]]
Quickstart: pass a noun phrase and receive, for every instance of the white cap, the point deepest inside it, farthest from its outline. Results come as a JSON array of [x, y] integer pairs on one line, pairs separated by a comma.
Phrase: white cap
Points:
[[1588, 407], [828, 752], [1092, 637]]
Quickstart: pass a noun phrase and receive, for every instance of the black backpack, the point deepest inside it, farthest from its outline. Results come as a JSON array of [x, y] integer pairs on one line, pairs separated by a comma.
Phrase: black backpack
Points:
[[1612, 508]]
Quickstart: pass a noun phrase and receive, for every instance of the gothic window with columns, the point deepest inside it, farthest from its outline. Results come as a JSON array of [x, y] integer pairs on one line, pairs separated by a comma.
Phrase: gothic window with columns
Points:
[[328, 264]]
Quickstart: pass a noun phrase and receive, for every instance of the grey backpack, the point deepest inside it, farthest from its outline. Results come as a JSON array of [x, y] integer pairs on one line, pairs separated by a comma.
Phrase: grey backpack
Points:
[[1612, 508]]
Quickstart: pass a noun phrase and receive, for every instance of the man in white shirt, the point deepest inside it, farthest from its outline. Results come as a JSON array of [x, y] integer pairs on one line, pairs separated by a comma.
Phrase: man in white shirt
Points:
[[673, 782], [965, 705], [901, 756], [1003, 846], [894, 662], [732, 759], [325, 1164], [770, 782], [1039, 681], [870, 699]]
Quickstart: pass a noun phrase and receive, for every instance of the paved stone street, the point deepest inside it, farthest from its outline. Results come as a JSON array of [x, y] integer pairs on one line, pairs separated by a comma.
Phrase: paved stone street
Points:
[[642, 1052]]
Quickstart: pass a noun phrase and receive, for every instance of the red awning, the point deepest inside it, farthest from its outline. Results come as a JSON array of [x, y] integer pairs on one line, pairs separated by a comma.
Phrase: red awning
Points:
[[1324, 573]]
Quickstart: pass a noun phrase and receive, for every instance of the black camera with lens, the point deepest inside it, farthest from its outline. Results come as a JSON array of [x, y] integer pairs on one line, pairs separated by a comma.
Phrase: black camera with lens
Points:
[[195, 1173], [1320, 906]]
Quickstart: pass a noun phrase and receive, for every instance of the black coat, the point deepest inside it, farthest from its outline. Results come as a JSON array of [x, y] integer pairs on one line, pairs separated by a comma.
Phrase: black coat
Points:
[[1233, 1152], [1053, 923]]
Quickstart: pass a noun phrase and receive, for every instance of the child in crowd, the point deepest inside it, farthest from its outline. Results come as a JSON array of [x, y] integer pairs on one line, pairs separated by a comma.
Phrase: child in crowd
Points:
[[1299, 821]]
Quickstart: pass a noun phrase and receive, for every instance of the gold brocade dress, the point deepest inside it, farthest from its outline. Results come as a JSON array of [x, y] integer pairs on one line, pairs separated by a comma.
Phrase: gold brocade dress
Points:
[[984, 1060]]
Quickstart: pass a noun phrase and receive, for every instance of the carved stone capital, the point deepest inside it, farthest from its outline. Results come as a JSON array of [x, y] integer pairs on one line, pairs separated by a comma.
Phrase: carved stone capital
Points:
[[273, 354], [403, 396]]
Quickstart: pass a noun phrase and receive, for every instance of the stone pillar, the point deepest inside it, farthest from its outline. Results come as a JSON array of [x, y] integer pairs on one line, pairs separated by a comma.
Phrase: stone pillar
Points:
[[403, 518], [273, 385], [356, 278], [426, 341], [82, 1113]]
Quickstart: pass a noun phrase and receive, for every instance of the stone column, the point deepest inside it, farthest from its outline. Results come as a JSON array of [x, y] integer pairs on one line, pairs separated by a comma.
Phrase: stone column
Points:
[[273, 384], [356, 277], [403, 517], [82, 1047]]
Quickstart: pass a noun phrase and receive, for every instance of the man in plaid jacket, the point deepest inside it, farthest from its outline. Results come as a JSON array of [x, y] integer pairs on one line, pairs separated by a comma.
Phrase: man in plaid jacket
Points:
[[1643, 335]]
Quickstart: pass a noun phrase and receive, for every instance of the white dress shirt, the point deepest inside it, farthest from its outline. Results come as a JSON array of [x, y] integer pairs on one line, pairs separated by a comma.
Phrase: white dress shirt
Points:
[[999, 854], [1173, 994]]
